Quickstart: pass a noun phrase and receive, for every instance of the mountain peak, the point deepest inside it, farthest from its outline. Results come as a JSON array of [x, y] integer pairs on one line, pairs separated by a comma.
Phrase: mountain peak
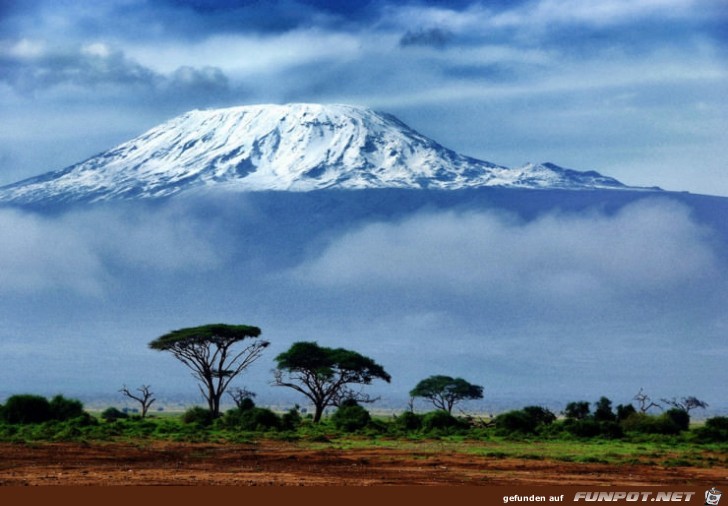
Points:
[[293, 147]]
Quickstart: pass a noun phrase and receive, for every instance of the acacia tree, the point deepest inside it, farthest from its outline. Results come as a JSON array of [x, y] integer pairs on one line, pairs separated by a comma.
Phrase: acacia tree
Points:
[[210, 352], [686, 403], [444, 392], [324, 374]]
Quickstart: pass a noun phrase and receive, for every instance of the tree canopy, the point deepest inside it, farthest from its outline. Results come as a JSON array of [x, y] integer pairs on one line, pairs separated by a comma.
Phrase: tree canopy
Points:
[[324, 374], [209, 351], [444, 392]]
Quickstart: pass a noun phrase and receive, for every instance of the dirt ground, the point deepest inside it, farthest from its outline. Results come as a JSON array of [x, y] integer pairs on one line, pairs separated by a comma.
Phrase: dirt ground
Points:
[[283, 463]]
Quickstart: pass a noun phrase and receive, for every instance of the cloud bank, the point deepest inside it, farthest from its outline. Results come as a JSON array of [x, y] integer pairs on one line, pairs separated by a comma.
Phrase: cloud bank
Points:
[[618, 299], [79, 252], [649, 247]]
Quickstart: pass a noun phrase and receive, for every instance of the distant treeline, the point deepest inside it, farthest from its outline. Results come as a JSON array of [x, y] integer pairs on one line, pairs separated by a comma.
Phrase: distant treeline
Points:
[[32, 417]]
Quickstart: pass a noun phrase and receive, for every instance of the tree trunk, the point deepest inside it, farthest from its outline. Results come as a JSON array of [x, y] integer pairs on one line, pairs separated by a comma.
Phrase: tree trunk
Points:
[[317, 413], [215, 406]]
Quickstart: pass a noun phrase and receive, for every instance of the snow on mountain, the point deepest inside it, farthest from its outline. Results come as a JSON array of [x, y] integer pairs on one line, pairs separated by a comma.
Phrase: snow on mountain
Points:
[[295, 147]]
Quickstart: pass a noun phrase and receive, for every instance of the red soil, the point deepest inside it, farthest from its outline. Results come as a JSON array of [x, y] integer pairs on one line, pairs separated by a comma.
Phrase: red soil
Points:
[[283, 463]]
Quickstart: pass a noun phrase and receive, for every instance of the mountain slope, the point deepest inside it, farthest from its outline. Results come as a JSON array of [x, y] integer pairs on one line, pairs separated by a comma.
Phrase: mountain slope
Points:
[[296, 147]]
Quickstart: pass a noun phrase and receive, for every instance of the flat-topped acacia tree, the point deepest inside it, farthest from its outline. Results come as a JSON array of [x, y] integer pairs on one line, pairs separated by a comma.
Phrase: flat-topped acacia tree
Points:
[[324, 374], [211, 353], [444, 392]]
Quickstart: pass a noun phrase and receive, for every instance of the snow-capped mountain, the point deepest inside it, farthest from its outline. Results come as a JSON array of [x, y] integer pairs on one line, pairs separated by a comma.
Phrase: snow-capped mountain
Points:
[[296, 147]]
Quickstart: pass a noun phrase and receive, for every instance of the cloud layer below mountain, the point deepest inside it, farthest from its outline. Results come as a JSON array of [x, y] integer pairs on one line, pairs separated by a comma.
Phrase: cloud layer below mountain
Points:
[[618, 300]]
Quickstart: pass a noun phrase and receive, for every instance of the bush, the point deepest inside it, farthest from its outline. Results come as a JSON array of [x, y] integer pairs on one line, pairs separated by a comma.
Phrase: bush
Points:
[[27, 408], [246, 404], [515, 422], [291, 419], [66, 409], [20, 409], [113, 414], [643, 423], [624, 412], [541, 416], [524, 421], [439, 420], [715, 430], [611, 430], [590, 428], [586, 427], [350, 417], [197, 415], [408, 421], [252, 419], [679, 417]]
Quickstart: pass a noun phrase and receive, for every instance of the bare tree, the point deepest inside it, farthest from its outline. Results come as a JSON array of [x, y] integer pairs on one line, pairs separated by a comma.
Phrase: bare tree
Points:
[[645, 402], [145, 397], [411, 404], [686, 403]]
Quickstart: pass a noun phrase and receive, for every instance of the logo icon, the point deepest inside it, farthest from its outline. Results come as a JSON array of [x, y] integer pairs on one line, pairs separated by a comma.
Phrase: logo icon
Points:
[[712, 497]]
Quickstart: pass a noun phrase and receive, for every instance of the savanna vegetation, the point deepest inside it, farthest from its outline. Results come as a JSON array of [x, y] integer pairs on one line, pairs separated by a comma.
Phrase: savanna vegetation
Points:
[[332, 379]]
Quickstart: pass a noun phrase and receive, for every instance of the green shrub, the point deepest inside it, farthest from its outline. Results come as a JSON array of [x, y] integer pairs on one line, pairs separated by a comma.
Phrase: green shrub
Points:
[[624, 412], [350, 417], [66, 409], [610, 430], [408, 421], [643, 423], [27, 408], [679, 417], [112, 414], [246, 404], [540, 415], [586, 427], [253, 419], [439, 420], [524, 421], [715, 430], [200, 416], [717, 423], [515, 422], [291, 419], [71, 429], [261, 419]]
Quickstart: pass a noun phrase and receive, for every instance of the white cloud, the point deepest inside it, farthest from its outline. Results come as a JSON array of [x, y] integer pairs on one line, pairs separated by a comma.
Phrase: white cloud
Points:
[[79, 252], [245, 54], [650, 249], [37, 255], [603, 12]]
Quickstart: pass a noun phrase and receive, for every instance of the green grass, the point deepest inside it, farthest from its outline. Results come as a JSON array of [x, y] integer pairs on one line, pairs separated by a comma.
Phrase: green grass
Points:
[[667, 451]]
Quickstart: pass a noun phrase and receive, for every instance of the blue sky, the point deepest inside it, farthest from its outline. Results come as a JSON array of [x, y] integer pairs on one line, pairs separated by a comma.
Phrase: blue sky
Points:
[[635, 90]]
